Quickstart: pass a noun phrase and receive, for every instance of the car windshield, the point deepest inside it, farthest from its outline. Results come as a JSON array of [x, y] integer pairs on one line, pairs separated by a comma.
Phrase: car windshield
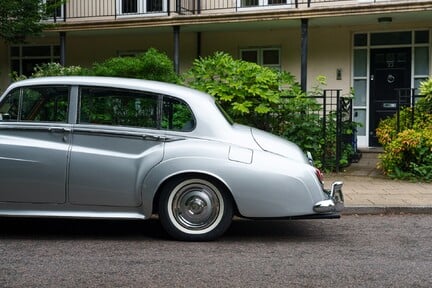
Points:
[[224, 113]]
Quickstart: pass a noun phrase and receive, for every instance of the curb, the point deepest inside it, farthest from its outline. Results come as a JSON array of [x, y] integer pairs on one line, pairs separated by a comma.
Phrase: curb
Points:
[[374, 210]]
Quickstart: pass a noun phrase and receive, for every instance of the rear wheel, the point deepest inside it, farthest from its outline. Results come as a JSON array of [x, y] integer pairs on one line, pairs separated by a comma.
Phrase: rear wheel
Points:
[[195, 209]]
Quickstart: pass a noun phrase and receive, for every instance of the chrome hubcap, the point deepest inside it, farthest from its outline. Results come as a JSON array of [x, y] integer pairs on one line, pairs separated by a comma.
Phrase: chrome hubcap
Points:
[[195, 206]]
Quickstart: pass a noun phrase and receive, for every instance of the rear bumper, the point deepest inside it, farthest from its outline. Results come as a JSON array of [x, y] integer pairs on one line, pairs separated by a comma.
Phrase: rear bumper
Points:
[[335, 202]]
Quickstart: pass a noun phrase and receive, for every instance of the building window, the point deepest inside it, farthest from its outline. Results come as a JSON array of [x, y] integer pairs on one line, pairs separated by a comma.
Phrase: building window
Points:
[[268, 57], [133, 7], [55, 9], [24, 58]]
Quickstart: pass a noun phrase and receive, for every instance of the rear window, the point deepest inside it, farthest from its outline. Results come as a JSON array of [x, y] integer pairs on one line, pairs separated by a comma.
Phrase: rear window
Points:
[[121, 107]]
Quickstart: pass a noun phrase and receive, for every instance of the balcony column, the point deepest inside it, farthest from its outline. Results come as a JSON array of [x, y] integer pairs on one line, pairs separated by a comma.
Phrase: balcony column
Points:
[[63, 48], [176, 48], [304, 53]]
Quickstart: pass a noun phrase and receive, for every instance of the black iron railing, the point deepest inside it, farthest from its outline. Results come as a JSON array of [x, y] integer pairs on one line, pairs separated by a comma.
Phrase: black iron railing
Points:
[[406, 98], [337, 115], [335, 146], [76, 9]]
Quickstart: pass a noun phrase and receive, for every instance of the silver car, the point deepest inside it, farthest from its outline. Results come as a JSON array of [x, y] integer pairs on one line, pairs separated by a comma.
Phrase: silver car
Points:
[[98, 147]]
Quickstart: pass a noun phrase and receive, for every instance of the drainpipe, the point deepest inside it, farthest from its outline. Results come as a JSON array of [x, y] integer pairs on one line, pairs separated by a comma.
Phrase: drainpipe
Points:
[[63, 48], [304, 53], [176, 29], [198, 44]]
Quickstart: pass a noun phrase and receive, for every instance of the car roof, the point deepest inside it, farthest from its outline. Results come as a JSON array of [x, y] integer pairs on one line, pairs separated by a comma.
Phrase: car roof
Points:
[[127, 83], [211, 122]]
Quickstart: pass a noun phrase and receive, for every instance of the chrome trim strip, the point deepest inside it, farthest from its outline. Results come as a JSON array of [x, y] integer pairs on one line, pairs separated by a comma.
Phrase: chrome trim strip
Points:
[[73, 214], [125, 134]]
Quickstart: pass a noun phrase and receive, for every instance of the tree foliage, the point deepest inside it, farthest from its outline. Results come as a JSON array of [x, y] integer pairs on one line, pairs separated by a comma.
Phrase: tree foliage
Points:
[[22, 18]]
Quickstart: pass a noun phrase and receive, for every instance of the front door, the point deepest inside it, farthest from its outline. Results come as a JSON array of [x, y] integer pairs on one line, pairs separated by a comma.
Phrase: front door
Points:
[[390, 70]]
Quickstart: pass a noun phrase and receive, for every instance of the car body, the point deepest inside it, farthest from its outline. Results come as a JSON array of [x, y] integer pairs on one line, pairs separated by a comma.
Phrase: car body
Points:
[[100, 147]]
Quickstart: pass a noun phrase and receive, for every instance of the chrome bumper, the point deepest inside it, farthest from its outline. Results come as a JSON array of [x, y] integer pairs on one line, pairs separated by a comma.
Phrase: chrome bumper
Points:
[[335, 203]]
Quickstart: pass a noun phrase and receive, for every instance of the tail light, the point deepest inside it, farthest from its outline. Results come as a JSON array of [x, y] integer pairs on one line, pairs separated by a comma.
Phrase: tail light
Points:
[[320, 175]]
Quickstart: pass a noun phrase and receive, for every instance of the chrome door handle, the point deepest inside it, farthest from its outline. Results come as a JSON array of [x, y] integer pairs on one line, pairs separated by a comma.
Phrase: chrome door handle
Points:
[[59, 130]]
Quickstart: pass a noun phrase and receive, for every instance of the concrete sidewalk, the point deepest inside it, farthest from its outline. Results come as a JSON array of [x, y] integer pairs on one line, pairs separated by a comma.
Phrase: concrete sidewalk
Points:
[[367, 191]]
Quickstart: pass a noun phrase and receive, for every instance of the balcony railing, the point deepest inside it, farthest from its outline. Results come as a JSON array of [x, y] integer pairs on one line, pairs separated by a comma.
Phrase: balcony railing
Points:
[[74, 10]]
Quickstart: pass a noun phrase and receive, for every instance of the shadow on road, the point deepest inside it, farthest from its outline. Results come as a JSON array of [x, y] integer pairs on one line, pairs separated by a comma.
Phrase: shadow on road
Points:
[[23, 228], [286, 230], [240, 230]]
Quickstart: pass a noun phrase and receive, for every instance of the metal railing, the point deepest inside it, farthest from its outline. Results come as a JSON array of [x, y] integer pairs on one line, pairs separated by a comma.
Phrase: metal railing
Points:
[[113, 9], [406, 98], [332, 123], [338, 110]]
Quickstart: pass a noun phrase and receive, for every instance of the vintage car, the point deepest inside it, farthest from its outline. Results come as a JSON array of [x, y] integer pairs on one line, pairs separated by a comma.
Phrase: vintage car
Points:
[[99, 147]]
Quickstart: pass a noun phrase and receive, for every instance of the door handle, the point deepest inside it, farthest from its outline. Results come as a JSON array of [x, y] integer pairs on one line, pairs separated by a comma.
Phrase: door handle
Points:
[[148, 137], [372, 77], [59, 130]]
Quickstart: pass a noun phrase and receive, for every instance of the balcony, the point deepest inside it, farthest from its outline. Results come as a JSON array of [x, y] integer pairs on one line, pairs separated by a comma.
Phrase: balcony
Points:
[[84, 10]]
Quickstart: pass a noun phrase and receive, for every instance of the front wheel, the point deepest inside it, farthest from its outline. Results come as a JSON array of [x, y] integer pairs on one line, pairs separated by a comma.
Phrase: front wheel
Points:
[[195, 209]]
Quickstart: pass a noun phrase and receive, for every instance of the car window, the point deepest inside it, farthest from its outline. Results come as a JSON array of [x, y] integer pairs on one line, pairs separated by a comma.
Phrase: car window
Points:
[[37, 104], [9, 106], [177, 116], [108, 106], [121, 107]]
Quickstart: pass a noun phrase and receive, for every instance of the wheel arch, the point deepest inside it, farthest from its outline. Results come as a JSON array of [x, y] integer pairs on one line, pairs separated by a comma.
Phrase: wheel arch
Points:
[[194, 174]]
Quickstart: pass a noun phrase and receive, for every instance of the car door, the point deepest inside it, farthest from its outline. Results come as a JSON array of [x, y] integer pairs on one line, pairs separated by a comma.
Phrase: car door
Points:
[[116, 141], [34, 144]]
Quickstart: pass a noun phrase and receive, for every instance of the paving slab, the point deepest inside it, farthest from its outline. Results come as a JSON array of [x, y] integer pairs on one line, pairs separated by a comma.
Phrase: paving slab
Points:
[[368, 191]]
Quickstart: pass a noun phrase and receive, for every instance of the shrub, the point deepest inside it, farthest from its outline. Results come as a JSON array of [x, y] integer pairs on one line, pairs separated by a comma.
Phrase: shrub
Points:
[[51, 69], [270, 100], [56, 69], [425, 105], [408, 153], [247, 91], [151, 65]]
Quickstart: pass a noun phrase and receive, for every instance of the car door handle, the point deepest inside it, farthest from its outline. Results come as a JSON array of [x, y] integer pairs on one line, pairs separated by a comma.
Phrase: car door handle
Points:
[[59, 130], [153, 138]]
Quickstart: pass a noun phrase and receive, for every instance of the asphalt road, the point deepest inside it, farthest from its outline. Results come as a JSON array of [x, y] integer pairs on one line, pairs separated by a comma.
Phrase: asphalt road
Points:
[[355, 251]]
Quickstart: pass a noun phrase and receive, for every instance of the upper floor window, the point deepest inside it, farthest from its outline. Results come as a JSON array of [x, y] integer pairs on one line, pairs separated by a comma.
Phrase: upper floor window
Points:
[[268, 57], [134, 7], [36, 104], [54, 9], [117, 107]]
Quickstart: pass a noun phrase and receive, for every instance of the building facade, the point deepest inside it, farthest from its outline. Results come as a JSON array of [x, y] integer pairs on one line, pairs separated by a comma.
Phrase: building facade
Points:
[[372, 46]]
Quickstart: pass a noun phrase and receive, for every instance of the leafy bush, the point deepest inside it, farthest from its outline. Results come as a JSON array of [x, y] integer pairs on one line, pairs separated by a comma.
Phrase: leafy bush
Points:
[[425, 105], [56, 69], [408, 153], [51, 69], [270, 100], [151, 65], [247, 91]]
